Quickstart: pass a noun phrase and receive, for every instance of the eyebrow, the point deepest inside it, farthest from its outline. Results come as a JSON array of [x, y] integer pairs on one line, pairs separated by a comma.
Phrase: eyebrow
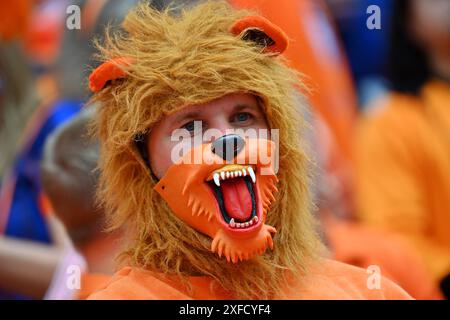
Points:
[[242, 106], [188, 115], [196, 114]]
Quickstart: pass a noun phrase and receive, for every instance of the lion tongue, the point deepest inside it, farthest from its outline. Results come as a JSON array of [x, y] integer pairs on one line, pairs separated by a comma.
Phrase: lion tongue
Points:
[[237, 199]]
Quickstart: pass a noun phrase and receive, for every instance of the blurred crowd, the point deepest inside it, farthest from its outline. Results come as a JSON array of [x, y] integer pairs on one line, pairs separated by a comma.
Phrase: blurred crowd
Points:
[[380, 137]]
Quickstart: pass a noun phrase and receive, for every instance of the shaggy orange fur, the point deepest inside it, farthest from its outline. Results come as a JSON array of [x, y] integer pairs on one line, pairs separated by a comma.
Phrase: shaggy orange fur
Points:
[[181, 60]]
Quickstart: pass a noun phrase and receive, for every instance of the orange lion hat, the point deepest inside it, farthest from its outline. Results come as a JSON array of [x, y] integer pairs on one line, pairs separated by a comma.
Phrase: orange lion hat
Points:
[[200, 216]]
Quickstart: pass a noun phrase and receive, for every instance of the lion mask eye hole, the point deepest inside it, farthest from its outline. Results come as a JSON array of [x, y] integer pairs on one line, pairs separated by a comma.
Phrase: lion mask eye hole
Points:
[[259, 37]]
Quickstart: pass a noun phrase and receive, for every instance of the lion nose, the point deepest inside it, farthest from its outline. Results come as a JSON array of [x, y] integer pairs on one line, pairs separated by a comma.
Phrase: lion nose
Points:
[[228, 146]]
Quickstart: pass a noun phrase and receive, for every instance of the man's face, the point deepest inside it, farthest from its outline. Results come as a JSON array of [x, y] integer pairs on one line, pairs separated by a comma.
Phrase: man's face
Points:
[[233, 111]]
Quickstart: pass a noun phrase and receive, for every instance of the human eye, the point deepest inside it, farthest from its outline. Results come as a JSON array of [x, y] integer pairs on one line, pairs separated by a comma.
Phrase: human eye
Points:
[[194, 127], [242, 117], [189, 126]]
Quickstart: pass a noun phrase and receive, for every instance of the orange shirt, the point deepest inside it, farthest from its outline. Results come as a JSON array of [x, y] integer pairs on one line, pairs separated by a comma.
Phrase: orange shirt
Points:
[[89, 283], [403, 171], [327, 279]]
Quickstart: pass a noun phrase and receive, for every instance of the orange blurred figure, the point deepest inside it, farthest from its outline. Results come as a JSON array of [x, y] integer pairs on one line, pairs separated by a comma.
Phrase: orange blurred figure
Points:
[[402, 149], [14, 18]]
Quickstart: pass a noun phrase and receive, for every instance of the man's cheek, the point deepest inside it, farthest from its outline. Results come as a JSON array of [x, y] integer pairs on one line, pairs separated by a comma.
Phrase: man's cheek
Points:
[[179, 149]]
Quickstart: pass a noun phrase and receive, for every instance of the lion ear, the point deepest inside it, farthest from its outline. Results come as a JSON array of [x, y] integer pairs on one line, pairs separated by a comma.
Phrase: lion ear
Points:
[[107, 72], [261, 31]]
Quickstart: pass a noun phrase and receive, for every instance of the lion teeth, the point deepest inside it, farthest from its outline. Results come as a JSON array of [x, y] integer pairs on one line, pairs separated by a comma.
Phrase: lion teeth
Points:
[[216, 178], [252, 174], [222, 175], [240, 225]]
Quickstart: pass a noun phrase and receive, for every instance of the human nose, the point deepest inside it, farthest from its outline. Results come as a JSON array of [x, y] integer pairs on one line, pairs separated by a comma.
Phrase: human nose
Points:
[[216, 129]]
